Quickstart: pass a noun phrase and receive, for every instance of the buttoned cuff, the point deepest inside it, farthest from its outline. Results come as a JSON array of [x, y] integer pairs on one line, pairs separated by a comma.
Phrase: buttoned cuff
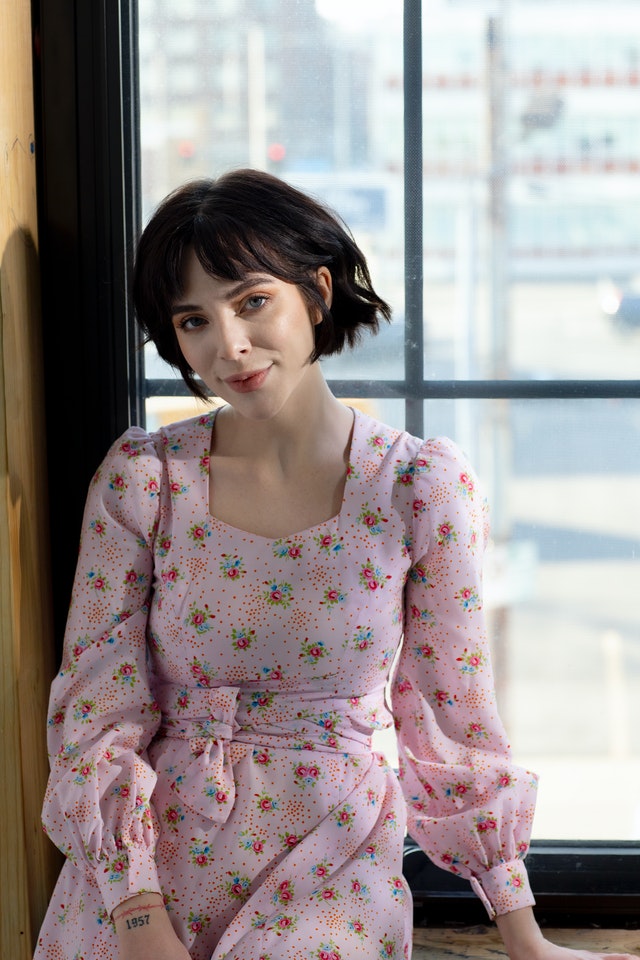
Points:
[[126, 876], [504, 888]]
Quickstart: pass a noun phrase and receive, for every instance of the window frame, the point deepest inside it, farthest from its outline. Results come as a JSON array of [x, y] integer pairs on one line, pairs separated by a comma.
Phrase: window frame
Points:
[[89, 216]]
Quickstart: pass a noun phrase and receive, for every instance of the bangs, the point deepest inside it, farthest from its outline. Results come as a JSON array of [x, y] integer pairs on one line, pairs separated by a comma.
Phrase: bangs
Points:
[[229, 250]]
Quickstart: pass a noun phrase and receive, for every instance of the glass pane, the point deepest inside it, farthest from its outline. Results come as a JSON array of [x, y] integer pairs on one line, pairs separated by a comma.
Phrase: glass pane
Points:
[[532, 195], [532, 206], [561, 578]]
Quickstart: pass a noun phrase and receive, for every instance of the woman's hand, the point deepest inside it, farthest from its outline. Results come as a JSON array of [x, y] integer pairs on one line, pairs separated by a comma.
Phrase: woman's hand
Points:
[[551, 951], [144, 930], [524, 941]]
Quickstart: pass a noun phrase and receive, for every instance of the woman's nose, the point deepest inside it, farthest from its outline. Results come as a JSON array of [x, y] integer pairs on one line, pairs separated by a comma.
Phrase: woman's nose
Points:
[[233, 340]]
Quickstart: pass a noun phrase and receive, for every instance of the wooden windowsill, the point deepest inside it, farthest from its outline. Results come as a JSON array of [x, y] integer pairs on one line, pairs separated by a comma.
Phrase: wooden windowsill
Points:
[[484, 943]]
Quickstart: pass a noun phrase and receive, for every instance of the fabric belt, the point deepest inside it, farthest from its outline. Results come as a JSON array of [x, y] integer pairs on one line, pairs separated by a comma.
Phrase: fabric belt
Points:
[[211, 718]]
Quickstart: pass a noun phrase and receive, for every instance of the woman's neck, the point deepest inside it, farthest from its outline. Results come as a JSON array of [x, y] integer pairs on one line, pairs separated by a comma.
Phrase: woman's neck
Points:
[[306, 428]]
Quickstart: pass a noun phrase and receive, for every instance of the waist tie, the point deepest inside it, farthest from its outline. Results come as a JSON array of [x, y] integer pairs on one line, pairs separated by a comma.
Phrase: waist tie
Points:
[[210, 718]]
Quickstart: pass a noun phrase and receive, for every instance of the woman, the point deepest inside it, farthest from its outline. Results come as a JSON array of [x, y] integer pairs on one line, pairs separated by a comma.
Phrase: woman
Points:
[[244, 582]]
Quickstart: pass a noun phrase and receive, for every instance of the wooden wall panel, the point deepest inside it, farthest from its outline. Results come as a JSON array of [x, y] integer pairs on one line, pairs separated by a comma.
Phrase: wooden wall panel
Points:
[[28, 861]]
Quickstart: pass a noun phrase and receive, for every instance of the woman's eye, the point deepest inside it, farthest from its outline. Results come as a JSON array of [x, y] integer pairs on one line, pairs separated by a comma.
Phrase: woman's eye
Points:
[[256, 301], [191, 323]]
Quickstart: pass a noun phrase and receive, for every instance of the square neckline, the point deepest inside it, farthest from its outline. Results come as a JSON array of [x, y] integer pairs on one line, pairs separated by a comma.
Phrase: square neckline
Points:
[[305, 532]]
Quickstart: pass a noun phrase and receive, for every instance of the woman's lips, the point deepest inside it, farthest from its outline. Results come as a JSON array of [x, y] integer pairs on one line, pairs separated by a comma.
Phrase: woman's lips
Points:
[[248, 382]]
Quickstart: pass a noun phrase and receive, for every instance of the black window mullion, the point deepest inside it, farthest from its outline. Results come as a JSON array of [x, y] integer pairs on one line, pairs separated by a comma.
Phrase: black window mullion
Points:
[[84, 82], [413, 203]]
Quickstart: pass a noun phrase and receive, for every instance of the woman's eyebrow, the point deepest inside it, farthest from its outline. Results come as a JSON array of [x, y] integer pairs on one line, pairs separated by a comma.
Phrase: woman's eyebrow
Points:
[[234, 291], [184, 308]]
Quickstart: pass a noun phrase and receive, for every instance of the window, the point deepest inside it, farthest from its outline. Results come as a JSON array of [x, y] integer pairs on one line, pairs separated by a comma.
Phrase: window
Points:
[[486, 156]]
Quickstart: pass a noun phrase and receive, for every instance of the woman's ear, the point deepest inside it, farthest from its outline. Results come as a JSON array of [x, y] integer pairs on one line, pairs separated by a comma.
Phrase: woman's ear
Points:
[[324, 283]]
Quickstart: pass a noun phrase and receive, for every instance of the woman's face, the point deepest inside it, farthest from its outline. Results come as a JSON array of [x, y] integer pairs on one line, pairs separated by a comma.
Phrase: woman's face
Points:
[[248, 340]]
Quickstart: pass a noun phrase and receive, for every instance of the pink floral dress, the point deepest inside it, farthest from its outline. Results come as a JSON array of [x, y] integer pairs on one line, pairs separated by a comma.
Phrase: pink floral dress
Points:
[[210, 726]]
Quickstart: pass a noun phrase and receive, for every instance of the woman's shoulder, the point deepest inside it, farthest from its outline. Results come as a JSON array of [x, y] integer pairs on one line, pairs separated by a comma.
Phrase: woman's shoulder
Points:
[[140, 443], [397, 446]]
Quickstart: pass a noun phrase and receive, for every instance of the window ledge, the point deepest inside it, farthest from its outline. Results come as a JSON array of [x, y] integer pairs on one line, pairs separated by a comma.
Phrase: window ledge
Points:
[[483, 942]]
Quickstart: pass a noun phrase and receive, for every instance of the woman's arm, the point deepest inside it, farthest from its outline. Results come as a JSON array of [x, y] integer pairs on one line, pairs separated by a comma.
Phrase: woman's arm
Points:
[[102, 710], [469, 806], [524, 940], [144, 930]]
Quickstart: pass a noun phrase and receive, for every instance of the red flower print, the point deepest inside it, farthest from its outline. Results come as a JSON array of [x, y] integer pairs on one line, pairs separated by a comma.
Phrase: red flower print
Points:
[[485, 825], [284, 893]]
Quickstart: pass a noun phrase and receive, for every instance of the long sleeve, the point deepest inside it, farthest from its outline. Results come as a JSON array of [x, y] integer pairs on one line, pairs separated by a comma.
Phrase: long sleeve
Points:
[[469, 807], [102, 714]]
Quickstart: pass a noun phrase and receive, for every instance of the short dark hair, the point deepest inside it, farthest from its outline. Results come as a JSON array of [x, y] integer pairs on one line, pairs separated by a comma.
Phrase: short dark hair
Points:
[[249, 221]]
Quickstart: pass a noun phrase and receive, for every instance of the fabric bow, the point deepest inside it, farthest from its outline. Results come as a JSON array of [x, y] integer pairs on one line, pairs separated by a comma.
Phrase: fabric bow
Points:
[[207, 785]]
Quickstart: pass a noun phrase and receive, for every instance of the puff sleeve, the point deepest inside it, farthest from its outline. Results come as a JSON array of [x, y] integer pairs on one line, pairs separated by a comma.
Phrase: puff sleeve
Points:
[[102, 714], [469, 807]]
